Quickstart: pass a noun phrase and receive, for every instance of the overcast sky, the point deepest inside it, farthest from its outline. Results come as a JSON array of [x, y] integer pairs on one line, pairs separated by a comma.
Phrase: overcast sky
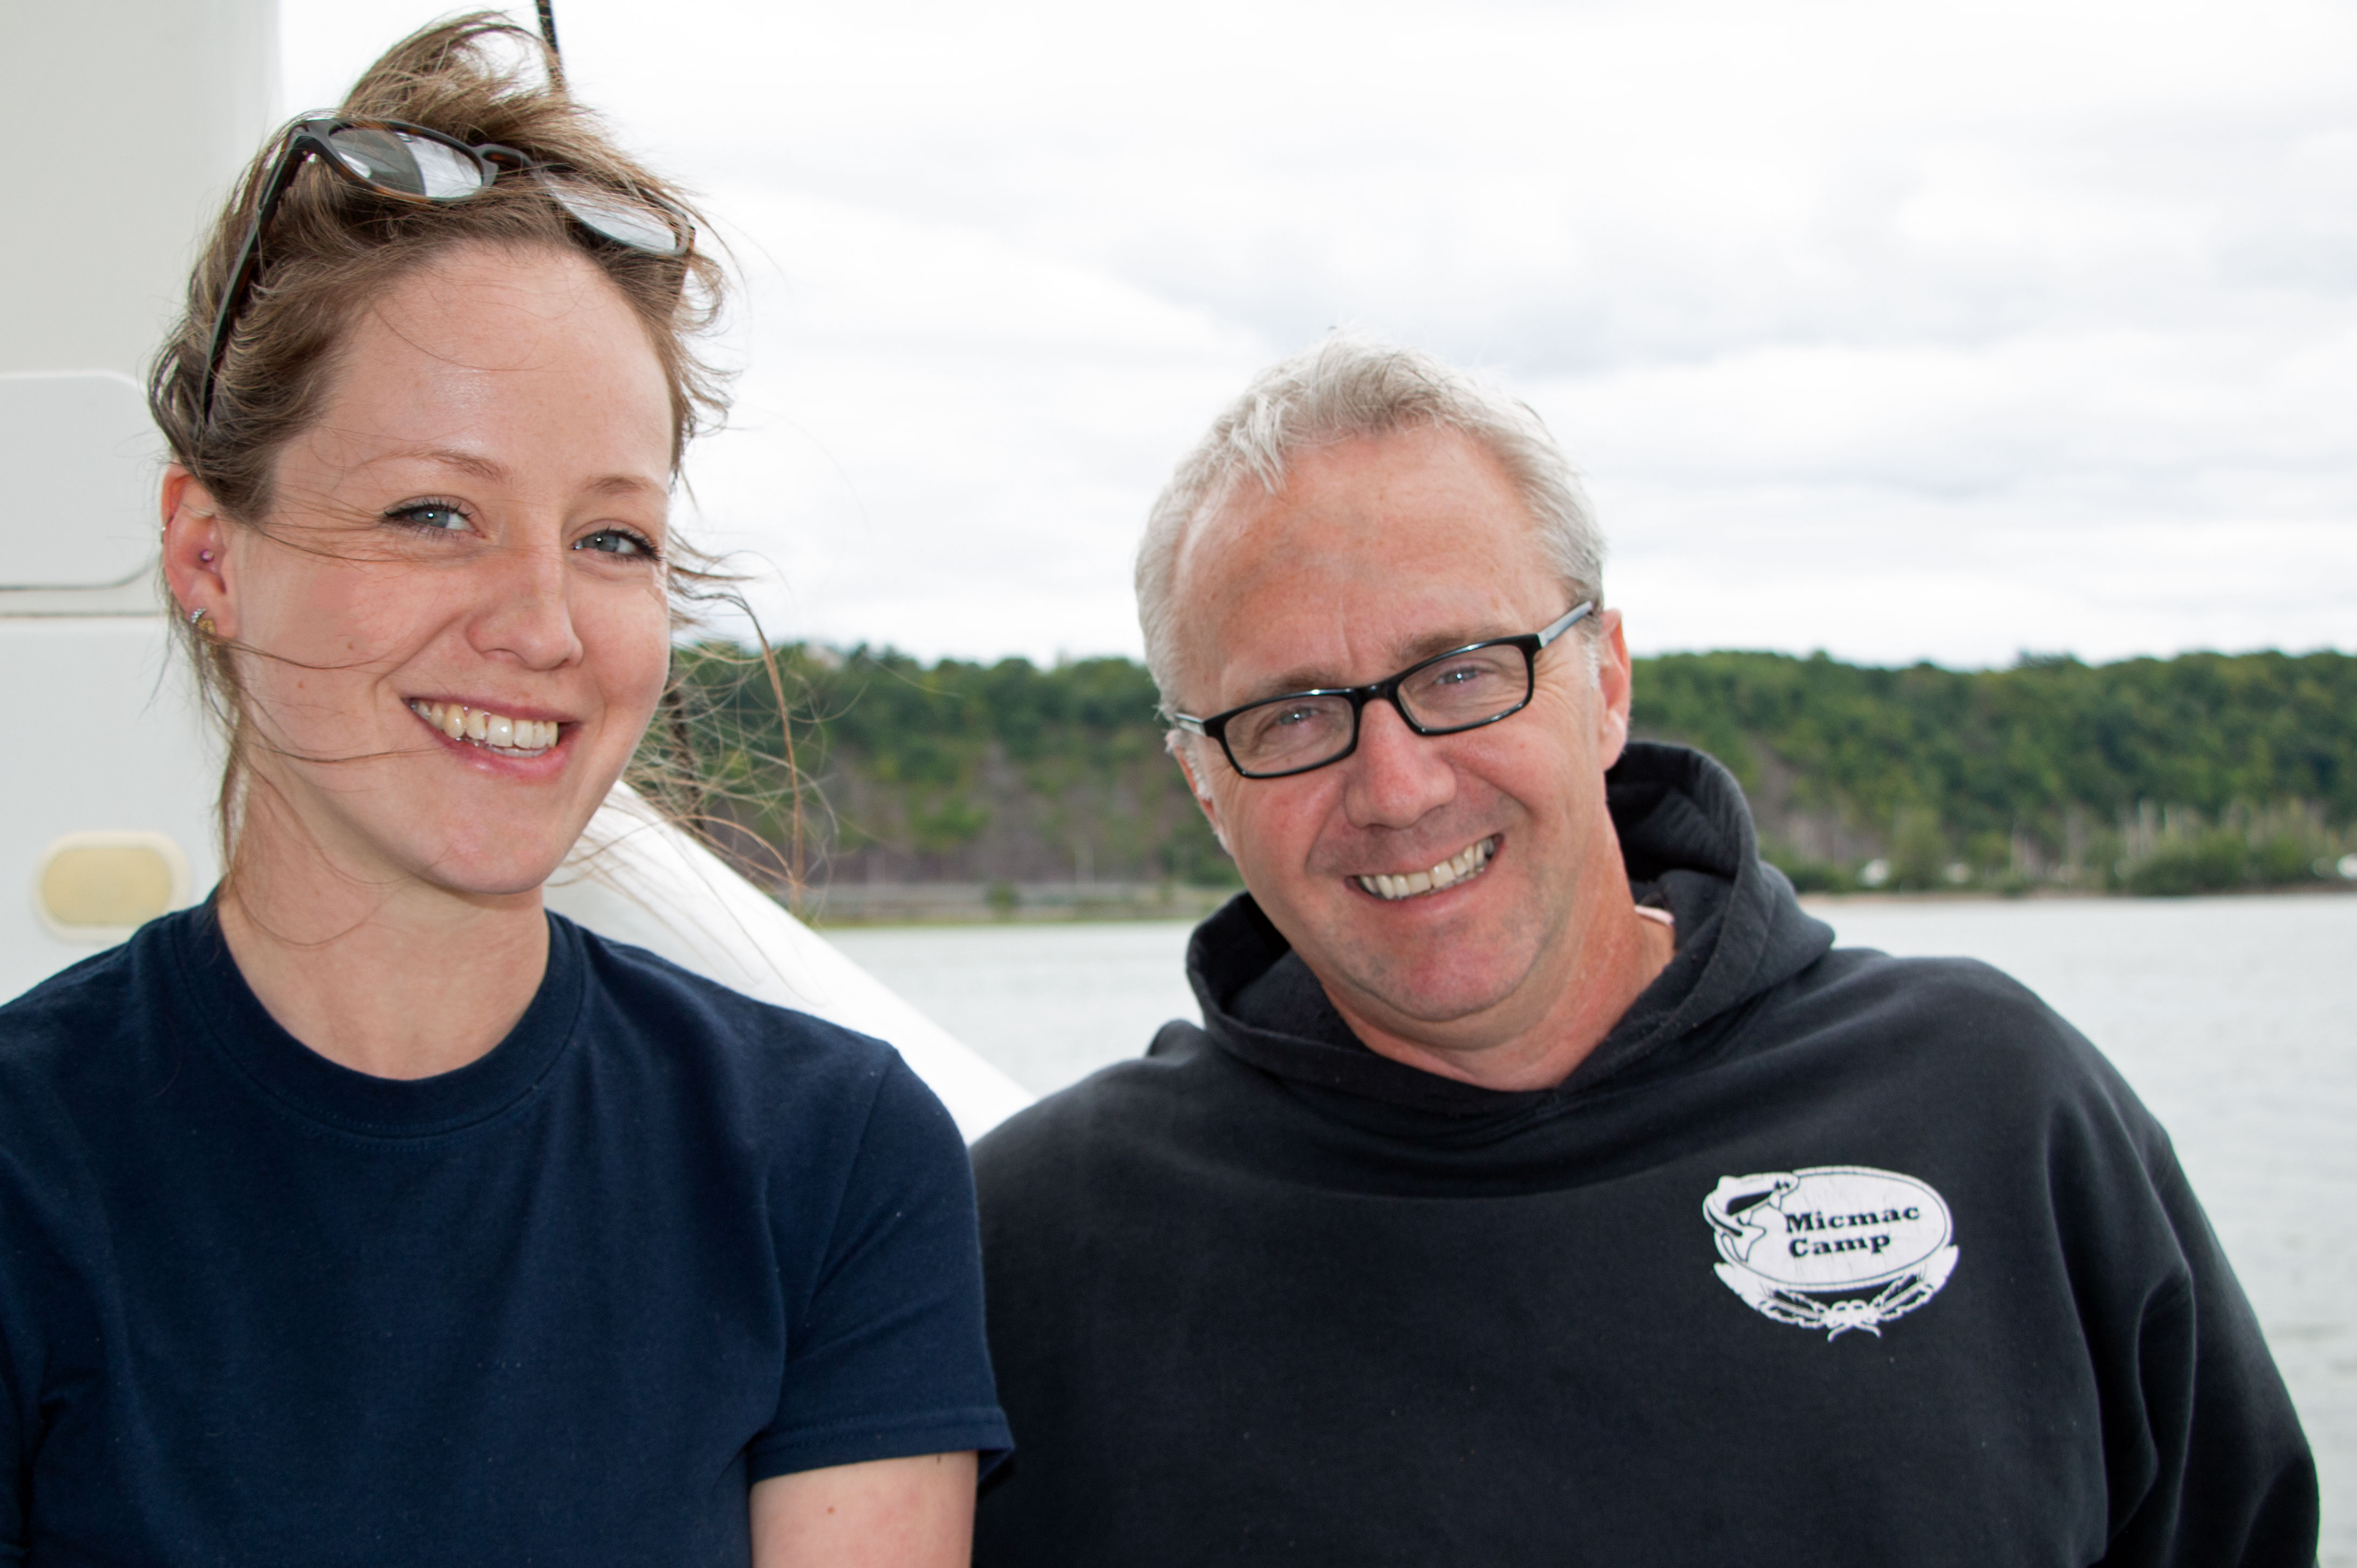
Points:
[[1913, 331]]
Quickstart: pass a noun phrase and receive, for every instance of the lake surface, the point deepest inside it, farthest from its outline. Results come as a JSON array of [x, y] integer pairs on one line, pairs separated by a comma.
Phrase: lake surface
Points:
[[2235, 1019]]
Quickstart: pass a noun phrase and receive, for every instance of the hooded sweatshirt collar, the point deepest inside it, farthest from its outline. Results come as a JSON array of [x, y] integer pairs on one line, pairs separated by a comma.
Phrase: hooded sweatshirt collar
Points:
[[1688, 841]]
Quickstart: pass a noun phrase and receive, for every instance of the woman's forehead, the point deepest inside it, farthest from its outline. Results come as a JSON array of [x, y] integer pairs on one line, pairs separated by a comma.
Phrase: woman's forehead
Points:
[[499, 365]]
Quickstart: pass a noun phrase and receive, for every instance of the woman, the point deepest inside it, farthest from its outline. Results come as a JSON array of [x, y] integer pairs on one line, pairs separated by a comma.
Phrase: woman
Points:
[[368, 1213]]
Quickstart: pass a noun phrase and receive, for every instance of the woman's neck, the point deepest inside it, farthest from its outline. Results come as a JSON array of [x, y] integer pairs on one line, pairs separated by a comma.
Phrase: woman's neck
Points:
[[399, 981]]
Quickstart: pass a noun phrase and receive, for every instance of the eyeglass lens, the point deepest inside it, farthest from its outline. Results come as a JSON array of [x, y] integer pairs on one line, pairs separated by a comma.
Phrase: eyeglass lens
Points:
[[419, 165], [624, 223], [1456, 693], [414, 165]]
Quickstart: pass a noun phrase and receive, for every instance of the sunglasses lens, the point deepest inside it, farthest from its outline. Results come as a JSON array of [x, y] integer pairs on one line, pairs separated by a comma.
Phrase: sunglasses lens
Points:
[[620, 220], [414, 165]]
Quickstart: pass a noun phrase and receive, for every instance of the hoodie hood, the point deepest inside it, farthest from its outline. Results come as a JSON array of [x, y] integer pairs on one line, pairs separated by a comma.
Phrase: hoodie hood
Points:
[[1687, 842]]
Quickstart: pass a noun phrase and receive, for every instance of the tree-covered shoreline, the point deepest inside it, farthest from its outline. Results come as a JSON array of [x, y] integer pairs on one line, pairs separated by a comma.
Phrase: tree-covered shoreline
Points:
[[2204, 772]]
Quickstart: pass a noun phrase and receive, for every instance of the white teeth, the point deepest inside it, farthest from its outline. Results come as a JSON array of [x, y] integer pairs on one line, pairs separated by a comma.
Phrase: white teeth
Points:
[[493, 732], [1466, 863]]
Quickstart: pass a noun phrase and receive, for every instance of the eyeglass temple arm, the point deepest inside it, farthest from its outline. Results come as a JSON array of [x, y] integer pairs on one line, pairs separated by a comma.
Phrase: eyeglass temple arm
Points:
[[548, 36], [1572, 617]]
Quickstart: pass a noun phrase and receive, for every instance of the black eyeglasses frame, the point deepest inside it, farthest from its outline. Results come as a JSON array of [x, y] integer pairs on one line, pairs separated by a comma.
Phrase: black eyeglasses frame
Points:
[[1215, 726], [307, 139]]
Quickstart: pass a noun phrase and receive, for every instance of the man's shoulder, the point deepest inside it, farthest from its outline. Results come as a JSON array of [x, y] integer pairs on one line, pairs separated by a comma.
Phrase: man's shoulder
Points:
[[1949, 1000], [1955, 1027], [1129, 1105]]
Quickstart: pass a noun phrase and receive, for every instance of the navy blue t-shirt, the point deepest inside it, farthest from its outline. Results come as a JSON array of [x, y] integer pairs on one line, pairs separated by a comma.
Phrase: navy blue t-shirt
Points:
[[563, 1305]]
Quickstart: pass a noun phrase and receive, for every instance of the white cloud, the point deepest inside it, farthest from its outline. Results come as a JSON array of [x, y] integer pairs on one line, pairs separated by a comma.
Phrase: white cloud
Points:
[[1933, 331]]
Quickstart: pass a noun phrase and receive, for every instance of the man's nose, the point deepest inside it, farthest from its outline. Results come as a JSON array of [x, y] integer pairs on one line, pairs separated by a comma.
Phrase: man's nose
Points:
[[527, 613], [1396, 776]]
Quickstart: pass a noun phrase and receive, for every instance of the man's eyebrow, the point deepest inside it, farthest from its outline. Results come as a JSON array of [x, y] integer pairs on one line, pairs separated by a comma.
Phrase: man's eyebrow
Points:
[[1320, 678]]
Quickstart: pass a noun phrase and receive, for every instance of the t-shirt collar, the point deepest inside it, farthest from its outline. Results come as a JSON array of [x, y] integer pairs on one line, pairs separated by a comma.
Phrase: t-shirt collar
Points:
[[282, 1068]]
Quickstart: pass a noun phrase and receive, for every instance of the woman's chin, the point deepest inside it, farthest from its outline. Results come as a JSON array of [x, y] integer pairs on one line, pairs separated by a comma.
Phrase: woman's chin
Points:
[[490, 872]]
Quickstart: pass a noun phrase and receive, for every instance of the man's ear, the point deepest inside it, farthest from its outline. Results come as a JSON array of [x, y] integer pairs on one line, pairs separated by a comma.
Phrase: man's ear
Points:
[[196, 550], [1180, 748], [1614, 683]]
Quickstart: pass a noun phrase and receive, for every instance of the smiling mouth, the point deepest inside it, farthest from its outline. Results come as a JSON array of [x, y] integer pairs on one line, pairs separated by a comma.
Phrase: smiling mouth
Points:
[[496, 733], [1463, 866]]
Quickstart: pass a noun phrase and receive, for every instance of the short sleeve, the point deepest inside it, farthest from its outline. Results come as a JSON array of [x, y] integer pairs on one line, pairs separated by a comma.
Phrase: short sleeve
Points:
[[886, 1358], [12, 1472]]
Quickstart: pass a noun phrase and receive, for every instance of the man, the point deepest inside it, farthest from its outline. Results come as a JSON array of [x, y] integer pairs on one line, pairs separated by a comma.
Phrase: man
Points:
[[1542, 1187]]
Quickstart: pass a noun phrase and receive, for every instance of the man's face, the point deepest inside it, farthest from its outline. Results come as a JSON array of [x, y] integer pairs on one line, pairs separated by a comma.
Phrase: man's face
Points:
[[1379, 553]]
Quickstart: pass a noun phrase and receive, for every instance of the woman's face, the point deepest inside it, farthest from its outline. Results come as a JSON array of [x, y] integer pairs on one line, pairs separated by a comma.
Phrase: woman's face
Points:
[[455, 608]]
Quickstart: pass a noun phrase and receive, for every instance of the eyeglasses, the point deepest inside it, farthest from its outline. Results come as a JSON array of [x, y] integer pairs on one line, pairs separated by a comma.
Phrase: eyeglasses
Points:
[[1462, 689], [411, 163]]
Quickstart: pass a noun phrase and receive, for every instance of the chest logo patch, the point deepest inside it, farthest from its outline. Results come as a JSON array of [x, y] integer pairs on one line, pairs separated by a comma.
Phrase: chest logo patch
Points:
[[1832, 1247]]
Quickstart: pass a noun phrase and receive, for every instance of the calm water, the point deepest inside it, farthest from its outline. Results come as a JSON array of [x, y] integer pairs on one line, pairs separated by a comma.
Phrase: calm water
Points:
[[2235, 1018]]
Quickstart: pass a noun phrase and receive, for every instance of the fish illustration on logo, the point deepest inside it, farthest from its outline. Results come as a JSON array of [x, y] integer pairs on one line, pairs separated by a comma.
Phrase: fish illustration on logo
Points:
[[1831, 1247]]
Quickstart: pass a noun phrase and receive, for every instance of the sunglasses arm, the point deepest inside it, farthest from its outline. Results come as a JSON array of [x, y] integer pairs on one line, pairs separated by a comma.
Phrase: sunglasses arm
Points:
[[249, 262]]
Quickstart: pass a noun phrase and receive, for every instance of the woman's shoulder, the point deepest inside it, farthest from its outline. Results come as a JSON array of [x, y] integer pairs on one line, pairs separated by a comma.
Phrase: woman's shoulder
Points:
[[106, 995], [760, 1052], [85, 1051]]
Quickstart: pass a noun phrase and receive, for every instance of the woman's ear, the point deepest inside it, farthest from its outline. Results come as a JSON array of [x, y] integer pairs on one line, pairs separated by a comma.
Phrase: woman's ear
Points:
[[196, 550]]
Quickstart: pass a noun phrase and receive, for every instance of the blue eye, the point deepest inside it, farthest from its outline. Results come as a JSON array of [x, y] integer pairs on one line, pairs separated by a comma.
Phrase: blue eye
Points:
[[618, 542], [439, 517]]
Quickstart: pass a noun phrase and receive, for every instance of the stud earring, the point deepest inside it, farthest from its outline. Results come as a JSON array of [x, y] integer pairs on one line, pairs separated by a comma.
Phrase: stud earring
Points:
[[197, 619], [206, 556]]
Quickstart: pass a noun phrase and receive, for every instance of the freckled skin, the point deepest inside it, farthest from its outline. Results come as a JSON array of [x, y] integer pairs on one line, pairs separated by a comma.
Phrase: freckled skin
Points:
[[1373, 548], [454, 527], [534, 364]]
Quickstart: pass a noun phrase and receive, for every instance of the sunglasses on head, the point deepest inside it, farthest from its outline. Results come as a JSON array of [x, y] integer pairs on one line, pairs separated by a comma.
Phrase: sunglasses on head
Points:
[[410, 163]]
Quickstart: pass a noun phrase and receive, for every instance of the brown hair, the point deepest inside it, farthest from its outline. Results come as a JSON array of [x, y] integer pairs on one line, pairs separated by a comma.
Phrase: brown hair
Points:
[[333, 245]]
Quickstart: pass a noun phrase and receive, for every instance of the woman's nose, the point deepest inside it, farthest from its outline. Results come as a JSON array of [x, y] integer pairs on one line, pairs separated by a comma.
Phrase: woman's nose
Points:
[[526, 613]]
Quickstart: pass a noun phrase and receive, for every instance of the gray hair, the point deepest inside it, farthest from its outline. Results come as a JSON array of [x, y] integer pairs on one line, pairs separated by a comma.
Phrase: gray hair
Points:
[[1347, 387]]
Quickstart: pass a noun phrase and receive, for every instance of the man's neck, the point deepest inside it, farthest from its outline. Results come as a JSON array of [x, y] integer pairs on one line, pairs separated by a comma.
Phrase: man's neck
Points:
[[1620, 954]]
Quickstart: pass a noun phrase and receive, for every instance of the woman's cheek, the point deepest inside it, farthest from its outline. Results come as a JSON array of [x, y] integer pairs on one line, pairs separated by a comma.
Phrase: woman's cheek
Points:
[[633, 653]]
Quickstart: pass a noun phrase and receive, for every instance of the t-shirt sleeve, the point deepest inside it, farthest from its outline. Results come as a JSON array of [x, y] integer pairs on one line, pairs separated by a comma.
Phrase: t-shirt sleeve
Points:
[[885, 1358], [12, 1473]]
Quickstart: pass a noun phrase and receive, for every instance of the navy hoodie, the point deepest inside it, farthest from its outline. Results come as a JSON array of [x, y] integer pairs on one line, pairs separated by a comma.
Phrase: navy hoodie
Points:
[[1822, 1257]]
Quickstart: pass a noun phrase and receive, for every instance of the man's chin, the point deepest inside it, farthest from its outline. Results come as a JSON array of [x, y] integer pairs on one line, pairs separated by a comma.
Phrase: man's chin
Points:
[[1404, 993]]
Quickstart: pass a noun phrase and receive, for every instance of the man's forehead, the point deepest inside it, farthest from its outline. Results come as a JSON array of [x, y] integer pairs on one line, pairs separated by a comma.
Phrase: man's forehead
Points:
[[1390, 547], [1372, 506]]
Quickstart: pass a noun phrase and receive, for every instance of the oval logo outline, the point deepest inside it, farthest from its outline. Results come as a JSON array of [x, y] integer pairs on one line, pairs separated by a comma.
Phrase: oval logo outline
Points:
[[1837, 1228]]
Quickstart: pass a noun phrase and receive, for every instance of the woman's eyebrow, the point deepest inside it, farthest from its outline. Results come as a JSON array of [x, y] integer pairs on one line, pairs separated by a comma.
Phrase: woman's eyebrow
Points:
[[625, 484], [473, 463], [493, 471]]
